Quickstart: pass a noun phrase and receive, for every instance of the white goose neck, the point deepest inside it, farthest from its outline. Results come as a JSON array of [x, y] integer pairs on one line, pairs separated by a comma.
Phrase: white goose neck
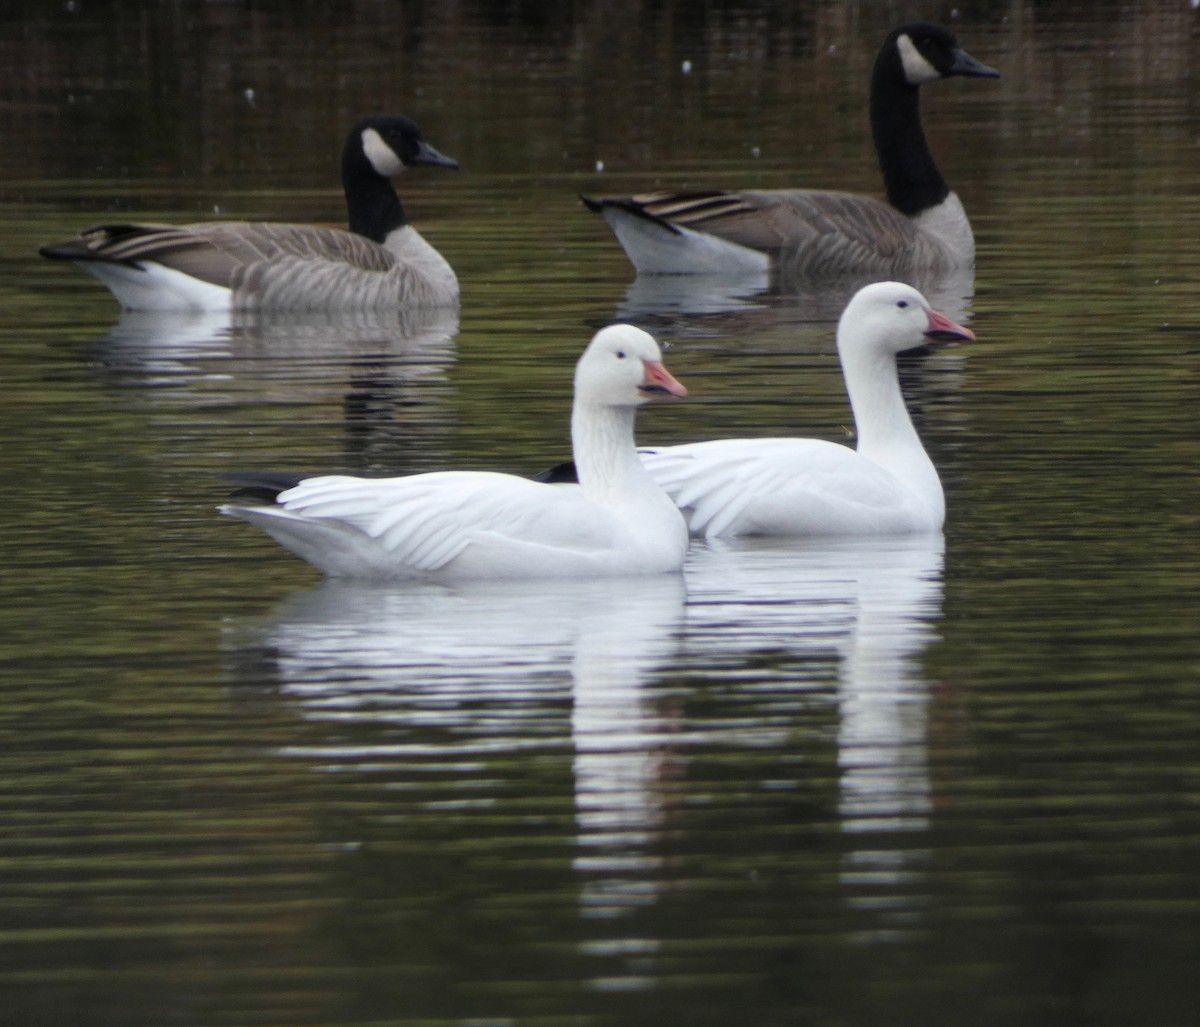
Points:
[[884, 428], [605, 458], [886, 434]]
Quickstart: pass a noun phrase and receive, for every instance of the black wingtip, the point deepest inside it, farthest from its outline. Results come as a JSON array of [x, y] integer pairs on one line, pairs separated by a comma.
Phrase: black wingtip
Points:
[[71, 249], [92, 243], [261, 486], [630, 205], [559, 474]]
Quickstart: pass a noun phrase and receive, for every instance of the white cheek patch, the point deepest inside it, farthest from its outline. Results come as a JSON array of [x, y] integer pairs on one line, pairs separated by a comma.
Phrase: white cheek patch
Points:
[[916, 68], [382, 157]]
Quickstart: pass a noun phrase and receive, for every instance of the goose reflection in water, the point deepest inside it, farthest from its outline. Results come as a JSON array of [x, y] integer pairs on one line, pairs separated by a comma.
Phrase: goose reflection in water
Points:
[[480, 668], [768, 310], [483, 669], [385, 374], [874, 604], [209, 356]]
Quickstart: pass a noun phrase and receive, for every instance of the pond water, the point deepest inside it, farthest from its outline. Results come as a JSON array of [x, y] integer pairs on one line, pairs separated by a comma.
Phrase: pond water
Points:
[[903, 782]]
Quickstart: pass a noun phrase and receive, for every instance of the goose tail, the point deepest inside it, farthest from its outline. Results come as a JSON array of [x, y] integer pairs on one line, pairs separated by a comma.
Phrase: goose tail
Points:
[[657, 246]]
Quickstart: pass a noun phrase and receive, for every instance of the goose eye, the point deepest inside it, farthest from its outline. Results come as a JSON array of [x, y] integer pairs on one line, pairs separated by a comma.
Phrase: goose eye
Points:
[[902, 304], [620, 354]]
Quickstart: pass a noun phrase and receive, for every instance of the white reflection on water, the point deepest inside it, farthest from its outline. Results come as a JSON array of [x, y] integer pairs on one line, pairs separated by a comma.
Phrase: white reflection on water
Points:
[[756, 304], [652, 295], [487, 663], [874, 603], [624, 739], [203, 354], [360, 650], [473, 671]]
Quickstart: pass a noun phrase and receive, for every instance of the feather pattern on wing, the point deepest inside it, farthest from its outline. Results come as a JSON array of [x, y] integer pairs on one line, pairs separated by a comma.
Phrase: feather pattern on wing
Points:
[[282, 266], [730, 487], [806, 232], [420, 524]]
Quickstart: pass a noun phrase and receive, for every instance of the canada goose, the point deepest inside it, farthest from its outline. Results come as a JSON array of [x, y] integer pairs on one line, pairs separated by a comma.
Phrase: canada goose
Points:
[[804, 233], [478, 524], [381, 262]]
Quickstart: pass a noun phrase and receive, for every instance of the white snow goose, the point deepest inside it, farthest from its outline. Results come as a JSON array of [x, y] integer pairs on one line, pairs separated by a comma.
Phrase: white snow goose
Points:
[[804, 233], [381, 263], [476, 524], [785, 486]]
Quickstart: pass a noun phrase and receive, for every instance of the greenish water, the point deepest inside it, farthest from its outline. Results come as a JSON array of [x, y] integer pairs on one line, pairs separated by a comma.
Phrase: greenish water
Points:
[[834, 784]]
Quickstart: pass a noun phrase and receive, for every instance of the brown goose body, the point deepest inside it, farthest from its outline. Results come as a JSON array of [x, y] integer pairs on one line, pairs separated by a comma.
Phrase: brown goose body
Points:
[[796, 232], [805, 232], [382, 262]]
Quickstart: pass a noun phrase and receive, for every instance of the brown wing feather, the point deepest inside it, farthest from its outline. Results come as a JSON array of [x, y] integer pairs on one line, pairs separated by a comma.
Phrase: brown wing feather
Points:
[[216, 251], [806, 230]]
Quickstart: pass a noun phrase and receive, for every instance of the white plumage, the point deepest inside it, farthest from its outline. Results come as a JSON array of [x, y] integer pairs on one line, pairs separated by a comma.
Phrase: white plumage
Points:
[[471, 524], [786, 486]]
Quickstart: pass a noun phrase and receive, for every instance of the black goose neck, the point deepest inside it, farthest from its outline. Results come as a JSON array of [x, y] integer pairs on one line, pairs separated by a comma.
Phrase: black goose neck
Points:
[[372, 206], [911, 178]]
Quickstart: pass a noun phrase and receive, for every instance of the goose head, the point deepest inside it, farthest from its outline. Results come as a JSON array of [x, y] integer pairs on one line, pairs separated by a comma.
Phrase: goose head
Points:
[[887, 318], [390, 143], [926, 52], [623, 367]]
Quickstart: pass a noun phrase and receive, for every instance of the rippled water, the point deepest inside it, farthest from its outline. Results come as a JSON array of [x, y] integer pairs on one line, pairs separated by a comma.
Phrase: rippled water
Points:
[[836, 784]]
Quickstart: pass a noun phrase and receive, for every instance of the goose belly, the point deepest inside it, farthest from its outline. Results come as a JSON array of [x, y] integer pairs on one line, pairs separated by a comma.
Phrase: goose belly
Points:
[[802, 515], [154, 287]]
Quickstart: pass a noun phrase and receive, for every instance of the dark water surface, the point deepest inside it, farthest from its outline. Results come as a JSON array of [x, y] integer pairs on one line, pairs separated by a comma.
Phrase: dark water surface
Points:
[[835, 784]]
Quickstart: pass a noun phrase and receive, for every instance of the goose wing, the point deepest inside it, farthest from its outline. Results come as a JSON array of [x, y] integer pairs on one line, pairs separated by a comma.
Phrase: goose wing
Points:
[[730, 487], [808, 230], [215, 251], [425, 521], [278, 266]]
